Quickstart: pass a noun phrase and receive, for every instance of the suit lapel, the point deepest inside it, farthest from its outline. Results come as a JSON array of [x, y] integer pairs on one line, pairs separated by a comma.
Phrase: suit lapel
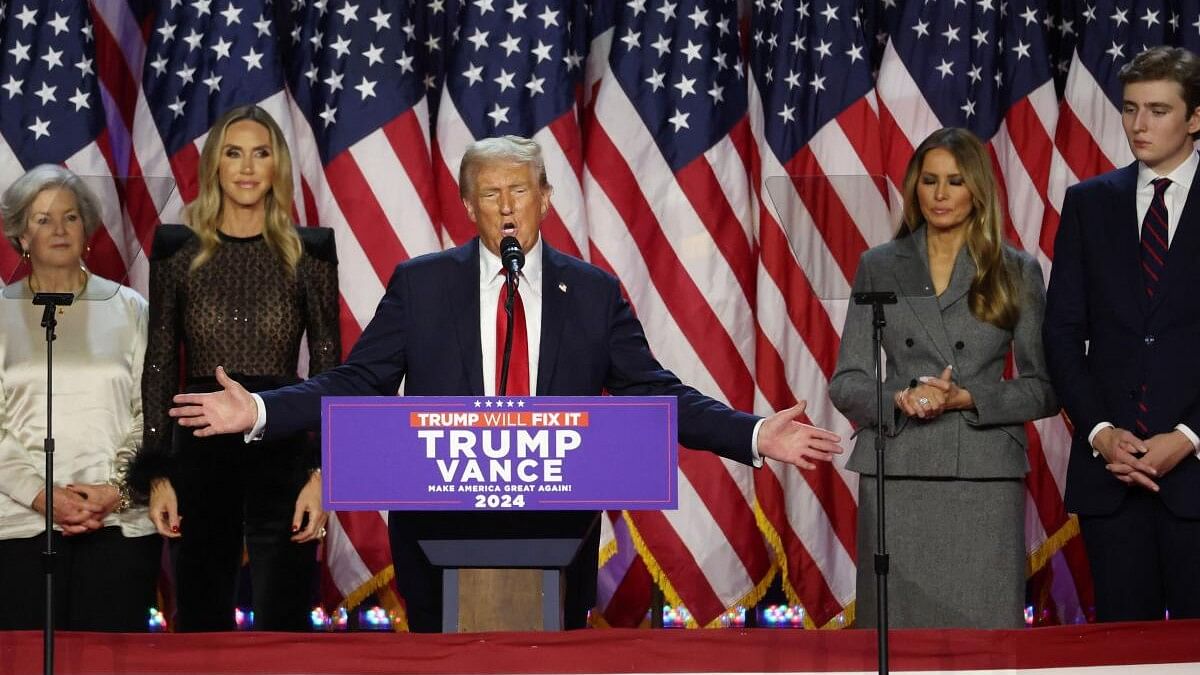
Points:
[[1123, 234], [911, 270], [555, 295], [463, 302], [1185, 245]]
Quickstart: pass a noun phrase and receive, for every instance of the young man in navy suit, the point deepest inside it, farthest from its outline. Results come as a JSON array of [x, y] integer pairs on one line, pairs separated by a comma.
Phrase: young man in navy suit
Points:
[[1122, 338], [437, 328]]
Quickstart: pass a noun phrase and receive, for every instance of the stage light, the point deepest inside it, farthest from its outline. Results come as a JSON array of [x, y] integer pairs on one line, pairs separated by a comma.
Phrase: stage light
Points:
[[243, 619], [157, 622], [376, 618], [782, 616], [329, 622]]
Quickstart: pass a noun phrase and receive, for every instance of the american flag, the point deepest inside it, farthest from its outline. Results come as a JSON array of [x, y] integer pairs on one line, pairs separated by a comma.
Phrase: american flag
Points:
[[671, 128]]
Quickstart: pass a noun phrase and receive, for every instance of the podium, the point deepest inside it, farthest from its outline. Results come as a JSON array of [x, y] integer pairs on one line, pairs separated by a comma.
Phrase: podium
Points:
[[538, 469]]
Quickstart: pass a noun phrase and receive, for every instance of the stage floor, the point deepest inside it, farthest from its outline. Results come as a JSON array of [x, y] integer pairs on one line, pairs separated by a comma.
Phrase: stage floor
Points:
[[1160, 648]]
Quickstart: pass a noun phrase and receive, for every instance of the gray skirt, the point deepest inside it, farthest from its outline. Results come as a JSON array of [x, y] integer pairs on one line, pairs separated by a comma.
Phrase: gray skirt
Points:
[[957, 550]]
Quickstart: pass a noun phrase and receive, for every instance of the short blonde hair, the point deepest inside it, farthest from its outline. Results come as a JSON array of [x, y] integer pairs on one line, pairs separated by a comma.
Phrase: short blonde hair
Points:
[[14, 205], [516, 149]]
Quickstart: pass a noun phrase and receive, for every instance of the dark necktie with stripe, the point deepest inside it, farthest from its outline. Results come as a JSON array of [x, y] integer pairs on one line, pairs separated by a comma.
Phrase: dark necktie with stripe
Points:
[[1154, 240], [1154, 268]]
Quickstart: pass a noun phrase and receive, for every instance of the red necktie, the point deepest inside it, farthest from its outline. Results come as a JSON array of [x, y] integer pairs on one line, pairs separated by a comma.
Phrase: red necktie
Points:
[[1154, 268], [518, 365]]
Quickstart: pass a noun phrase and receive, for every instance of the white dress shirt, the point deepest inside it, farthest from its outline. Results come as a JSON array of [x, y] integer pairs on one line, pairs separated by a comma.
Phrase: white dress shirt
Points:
[[1175, 198]]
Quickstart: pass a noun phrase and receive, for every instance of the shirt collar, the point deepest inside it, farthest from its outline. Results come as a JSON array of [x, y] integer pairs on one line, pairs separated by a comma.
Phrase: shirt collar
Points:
[[489, 267], [1181, 175]]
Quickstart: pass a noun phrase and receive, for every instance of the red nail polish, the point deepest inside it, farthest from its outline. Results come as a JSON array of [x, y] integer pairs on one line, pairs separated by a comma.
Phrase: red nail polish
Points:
[[295, 528], [174, 528]]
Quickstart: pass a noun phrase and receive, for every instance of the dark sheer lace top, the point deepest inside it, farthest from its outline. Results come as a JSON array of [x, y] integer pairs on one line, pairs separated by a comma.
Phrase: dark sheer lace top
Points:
[[242, 310]]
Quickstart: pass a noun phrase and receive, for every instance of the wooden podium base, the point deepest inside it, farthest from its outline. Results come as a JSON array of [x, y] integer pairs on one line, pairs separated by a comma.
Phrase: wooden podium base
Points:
[[499, 600]]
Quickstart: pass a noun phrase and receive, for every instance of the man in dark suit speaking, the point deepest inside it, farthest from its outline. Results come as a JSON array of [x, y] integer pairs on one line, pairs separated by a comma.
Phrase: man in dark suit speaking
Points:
[[440, 329]]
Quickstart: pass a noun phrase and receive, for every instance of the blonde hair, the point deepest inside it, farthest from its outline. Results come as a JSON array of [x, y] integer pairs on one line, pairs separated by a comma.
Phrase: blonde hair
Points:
[[509, 148], [203, 215], [993, 297]]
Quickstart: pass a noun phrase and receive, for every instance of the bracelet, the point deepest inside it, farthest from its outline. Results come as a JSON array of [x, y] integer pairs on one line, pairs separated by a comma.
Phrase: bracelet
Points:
[[124, 499]]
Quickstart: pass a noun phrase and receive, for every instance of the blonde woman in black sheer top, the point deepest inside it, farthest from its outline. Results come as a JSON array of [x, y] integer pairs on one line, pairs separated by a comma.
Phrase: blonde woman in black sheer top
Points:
[[237, 289]]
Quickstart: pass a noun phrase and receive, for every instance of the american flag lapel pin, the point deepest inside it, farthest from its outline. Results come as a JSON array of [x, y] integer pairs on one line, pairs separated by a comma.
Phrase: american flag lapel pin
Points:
[[562, 286]]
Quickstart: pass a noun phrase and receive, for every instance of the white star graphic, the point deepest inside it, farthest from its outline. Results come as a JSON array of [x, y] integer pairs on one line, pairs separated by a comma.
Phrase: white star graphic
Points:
[[818, 83], [699, 17], [373, 55], [39, 128], [1116, 51], [406, 63], [542, 51], [484, 6], [655, 80], [474, 74], [951, 34], [479, 39], [52, 57], [13, 87], [549, 17], [177, 106], [221, 49], [717, 93], [253, 60], [855, 53], [976, 74], [968, 108], [159, 65], [46, 93], [824, 49], [80, 99], [631, 39], [381, 19], [534, 85], [517, 11], [20, 52], [201, 7], [1151, 18], [922, 29], [638, 7], [193, 40], [662, 45], [1030, 16], [186, 75], [830, 13], [679, 120], [167, 31], [232, 14], [793, 79], [341, 46], [1119, 16], [329, 114], [349, 13], [59, 23], [686, 85], [498, 114], [668, 11], [692, 51], [980, 37], [505, 80], [366, 88], [213, 82], [263, 26], [27, 16], [946, 68], [511, 44], [788, 113], [1022, 50], [334, 81]]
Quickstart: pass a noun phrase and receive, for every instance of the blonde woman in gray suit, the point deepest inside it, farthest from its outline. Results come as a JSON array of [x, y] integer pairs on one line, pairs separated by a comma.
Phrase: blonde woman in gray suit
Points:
[[956, 440]]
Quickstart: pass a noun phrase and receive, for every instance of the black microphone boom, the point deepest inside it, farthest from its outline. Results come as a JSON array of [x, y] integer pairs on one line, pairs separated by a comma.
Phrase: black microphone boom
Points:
[[512, 258]]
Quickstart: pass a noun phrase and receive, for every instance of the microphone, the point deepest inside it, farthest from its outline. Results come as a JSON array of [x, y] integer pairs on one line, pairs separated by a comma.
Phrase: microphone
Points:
[[512, 258]]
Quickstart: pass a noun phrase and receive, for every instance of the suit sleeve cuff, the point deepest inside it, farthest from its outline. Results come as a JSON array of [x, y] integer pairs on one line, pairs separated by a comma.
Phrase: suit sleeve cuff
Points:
[[260, 422], [756, 459], [1092, 436], [1191, 436]]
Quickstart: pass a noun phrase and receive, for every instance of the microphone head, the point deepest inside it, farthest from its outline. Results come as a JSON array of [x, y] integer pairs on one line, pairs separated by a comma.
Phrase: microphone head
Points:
[[511, 255]]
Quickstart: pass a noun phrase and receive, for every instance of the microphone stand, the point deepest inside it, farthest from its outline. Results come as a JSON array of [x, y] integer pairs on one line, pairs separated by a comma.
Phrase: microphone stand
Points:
[[877, 300], [511, 281], [51, 302]]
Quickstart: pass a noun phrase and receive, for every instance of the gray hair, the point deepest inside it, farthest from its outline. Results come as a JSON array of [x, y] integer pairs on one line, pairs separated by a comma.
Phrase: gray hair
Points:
[[499, 148], [19, 197]]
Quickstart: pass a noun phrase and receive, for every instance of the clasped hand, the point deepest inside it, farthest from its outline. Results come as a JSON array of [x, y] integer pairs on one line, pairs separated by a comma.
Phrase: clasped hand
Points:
[[1136, 462], [79, 508], [932, 396]]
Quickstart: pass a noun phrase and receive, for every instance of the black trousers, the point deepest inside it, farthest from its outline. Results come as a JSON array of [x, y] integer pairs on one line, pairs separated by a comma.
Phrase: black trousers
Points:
[[1145, 561], [232, 493], [420, 583], [103, 581]]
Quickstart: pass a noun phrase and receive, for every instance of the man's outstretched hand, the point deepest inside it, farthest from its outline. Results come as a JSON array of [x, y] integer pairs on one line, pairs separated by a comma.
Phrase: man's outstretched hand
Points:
[[229, 411], [785, 438]]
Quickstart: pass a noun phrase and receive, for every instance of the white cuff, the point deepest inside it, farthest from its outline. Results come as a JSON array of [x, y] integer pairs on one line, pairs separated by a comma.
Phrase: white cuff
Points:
[[1191, 436], [757, 458], [1092, 436], [260, 422]]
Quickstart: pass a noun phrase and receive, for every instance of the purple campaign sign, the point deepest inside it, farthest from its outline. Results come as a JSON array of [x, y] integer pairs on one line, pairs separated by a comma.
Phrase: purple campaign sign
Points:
[[466, 453]]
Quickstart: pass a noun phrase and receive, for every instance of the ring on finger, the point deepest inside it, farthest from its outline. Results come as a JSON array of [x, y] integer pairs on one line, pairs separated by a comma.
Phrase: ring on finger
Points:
[[321, 533], [923, 401]]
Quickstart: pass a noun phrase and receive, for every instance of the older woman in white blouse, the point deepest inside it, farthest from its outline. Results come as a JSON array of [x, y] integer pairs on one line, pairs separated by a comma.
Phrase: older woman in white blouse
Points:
[[108, 553]]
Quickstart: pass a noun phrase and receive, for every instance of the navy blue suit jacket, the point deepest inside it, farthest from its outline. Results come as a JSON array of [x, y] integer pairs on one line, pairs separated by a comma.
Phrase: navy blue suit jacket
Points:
[[426, 332], [1105, 338]]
